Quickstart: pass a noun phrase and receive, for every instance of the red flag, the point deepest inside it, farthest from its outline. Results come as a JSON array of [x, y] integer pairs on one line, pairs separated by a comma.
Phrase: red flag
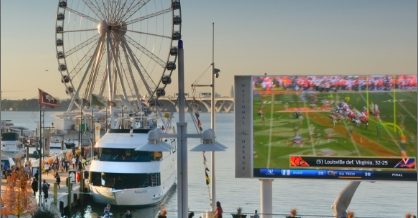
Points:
[[47, 100]]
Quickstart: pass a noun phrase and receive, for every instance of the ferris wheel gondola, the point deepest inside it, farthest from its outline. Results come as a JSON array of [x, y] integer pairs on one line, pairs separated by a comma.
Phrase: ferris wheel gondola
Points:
[[116, 48]]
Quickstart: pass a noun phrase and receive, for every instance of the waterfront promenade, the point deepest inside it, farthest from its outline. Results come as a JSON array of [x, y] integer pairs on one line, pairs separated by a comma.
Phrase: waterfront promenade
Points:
[[58, 198]]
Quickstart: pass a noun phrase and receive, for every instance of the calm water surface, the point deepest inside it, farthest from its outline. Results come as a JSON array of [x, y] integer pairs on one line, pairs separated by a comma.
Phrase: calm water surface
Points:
[[372, 199]]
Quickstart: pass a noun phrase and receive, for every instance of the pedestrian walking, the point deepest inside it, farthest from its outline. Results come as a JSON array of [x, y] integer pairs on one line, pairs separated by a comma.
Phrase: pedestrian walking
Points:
[[163, 213], [73, 161], [128, 214], [66, 166], [35, 185], [57, 179], [293, 213], [218, 210], [350, 214], [46, 167], [106, 211], [45, 190], [256, 214]]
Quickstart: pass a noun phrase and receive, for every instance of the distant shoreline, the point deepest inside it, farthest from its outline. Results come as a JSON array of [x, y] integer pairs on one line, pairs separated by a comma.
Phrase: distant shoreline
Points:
[[30, 105]]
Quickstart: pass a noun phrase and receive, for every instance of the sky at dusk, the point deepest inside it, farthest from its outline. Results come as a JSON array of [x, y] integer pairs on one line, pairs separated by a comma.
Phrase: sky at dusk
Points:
[[251, 38]]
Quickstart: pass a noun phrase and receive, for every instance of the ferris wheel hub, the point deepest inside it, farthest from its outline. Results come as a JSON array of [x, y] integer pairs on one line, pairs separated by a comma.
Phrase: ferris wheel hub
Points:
[[102, 27], [105, 27]]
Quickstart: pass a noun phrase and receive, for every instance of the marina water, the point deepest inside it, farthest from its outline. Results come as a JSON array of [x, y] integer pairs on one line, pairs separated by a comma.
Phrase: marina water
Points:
[[311, 197]]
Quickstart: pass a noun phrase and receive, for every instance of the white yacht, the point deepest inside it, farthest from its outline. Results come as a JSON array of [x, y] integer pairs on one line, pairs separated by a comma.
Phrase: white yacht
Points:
[[121, 175]]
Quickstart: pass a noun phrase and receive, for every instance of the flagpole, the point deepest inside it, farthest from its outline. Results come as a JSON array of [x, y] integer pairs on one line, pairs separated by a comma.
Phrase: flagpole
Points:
[[40, 155], [47, 100]]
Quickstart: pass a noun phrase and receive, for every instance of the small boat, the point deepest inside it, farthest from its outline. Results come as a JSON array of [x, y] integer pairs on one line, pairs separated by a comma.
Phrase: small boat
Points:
[[56, 142]]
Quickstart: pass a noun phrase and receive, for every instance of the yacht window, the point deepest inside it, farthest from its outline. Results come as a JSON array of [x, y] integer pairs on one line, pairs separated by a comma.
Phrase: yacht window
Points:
[[128, 155], [125, 180]]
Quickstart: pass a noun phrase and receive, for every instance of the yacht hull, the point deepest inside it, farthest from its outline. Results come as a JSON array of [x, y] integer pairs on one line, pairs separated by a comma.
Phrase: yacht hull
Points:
[[128, 197]]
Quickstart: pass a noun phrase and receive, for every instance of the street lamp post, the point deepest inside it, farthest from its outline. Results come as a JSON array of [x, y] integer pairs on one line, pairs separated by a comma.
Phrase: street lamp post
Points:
[[182, 182], [209, 143]]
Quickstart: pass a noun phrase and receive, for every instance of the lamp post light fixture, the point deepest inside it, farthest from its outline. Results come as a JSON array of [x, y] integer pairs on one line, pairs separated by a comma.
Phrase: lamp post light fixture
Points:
[[154, 142], [209, 142]]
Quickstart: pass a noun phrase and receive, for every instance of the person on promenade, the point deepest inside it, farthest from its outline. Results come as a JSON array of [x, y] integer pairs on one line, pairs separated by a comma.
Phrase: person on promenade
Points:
[[410, 215], [46, 167], [293, 213], [36, 174], [66, 165], [45, 190], [57, 179], [35, 185], [80, 166], [350, 214], [27, 170], [128, 214], [106, 211], [218, 210], [73, 161], [256, 214], [163, 213]]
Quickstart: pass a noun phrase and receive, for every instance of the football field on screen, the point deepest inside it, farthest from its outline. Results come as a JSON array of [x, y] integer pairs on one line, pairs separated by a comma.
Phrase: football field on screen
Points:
[[378, 124]]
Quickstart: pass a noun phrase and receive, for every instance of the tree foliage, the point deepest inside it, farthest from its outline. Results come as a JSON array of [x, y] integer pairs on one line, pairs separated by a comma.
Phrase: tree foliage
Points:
[[17, 198]]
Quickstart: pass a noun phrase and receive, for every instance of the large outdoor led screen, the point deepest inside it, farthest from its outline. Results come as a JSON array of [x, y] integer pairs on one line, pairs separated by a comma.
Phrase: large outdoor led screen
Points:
[[342, 127]]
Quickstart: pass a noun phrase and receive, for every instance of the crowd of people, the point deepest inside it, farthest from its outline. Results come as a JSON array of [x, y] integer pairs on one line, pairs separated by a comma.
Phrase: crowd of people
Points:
[[55, 165]]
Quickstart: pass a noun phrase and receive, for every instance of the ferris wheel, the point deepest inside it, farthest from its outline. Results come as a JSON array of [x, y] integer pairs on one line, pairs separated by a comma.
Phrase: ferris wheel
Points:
[[116, 49]]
